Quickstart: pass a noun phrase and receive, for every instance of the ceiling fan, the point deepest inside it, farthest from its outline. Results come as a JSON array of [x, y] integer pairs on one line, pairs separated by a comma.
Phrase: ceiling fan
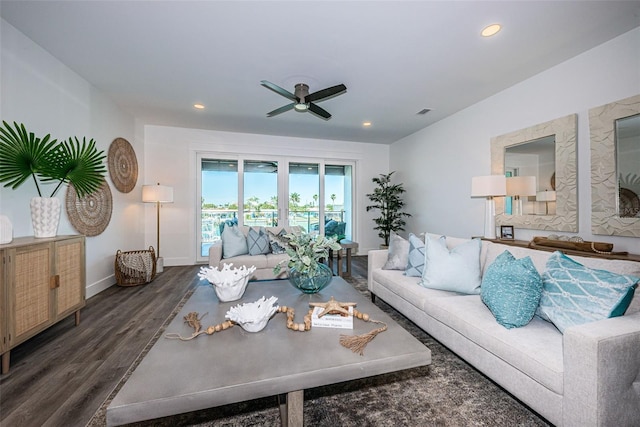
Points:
[[303, 100]]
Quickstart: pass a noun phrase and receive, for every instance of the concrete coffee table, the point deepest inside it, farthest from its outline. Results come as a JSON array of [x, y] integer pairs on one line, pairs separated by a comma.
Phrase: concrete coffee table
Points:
[[233, 365]]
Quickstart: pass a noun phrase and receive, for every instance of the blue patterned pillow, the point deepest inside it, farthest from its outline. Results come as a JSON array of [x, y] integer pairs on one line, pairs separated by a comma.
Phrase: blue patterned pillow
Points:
[[279, 243], [258, 241], [415, 261], [511, 288], [574, 294], [456, 270]]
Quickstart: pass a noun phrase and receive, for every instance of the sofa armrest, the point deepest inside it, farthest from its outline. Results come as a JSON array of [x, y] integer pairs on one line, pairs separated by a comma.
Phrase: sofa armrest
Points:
[[602, 372], [376, 259], [215, 253]]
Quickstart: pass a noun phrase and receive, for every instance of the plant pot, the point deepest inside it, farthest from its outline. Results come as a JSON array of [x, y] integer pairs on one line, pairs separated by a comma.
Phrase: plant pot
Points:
[[311, 284], [45, 216]]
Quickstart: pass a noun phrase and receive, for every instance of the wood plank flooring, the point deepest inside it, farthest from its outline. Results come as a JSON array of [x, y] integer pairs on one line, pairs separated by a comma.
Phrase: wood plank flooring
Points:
[[62, 376]]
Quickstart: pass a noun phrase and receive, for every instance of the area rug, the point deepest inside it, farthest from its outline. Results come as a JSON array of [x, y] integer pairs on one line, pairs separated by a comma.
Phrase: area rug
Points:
[[449, 392]]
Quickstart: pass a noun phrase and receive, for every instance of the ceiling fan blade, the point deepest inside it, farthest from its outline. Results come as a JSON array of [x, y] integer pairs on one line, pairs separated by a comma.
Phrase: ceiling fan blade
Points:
[[277, 89], [327, 93], [281, 110], [318, 111]]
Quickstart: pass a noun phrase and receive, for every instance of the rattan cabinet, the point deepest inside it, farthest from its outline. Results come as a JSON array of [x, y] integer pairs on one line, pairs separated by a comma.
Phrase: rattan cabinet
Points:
[[42, 281]]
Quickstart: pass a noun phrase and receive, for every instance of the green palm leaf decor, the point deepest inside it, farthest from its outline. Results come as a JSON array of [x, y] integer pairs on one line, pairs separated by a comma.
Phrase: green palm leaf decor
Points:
[[22, 155]]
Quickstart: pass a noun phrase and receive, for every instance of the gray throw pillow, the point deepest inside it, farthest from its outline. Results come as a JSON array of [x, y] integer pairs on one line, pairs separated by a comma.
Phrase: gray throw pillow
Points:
[[398, 256], [279, 243], [258, 241], [233, 242]]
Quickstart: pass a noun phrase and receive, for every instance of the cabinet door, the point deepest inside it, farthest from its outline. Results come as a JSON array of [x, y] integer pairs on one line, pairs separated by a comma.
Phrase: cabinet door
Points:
[[4, 307], [29, 292], [69, 268]]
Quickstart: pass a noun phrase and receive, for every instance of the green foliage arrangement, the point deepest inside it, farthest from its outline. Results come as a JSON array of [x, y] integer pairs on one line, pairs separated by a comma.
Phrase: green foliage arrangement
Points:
[[306, 251], [23, 155], [387, 199]]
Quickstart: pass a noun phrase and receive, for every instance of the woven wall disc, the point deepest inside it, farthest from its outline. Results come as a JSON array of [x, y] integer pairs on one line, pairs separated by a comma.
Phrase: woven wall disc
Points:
[[90, 214], [123, 165]]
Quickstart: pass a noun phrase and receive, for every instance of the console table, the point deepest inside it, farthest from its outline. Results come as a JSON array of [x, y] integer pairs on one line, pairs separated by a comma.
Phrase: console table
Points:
[[528, 244]]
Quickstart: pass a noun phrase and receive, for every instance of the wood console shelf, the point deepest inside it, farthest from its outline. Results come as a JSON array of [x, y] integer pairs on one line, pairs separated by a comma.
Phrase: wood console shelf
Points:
[[42, 281], [528, 244]]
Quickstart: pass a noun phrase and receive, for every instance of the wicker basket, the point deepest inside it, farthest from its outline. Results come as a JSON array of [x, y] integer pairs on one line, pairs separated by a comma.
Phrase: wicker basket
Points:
[[135, 268]]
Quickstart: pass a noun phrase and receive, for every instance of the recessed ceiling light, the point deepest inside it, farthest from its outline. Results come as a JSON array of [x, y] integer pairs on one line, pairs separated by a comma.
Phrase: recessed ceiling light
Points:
[[366, 124], [491, 30], [198, 106]]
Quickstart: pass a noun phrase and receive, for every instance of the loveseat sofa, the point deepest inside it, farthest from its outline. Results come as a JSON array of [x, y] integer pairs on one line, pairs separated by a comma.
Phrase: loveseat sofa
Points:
[[264, 262], [589, 375]]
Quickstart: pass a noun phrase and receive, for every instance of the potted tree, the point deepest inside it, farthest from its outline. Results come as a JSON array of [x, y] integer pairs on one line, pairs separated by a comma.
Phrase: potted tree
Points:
[[24, 156], [387, 199]]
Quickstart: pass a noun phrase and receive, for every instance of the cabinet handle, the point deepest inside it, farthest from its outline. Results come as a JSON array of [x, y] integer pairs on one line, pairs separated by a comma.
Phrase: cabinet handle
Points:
[[54, 282]]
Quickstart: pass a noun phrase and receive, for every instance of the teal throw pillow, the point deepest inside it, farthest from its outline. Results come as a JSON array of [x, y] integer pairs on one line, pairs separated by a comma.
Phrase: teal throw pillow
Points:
[[233, 242], [258, 241], [457, 270], [573, 294], [511, 289], [415, 259]]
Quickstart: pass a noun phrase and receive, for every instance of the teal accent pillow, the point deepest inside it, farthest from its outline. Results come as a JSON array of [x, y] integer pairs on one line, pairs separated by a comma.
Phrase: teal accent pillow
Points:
[[398, 254], [511, 289], [573, 294], [415, 260], [457, 270], [258, 241], [233, 242]]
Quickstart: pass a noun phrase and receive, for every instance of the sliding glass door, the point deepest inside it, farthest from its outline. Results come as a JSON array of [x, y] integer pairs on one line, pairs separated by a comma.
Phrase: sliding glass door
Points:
[[314, 195]]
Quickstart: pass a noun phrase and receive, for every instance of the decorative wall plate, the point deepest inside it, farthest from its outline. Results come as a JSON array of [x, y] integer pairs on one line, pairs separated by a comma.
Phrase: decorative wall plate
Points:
[[123, 165], [90, 214]]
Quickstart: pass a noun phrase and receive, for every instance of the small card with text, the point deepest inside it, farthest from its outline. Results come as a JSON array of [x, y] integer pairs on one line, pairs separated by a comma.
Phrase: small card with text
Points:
[[331, 320]]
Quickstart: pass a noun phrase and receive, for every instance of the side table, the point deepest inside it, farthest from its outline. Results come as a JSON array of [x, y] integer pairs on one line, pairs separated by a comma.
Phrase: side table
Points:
[[347, 246]]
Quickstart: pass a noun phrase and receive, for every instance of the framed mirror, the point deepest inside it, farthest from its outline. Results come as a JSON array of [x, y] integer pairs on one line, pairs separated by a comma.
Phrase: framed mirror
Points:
[[615, 168], [559, 174]]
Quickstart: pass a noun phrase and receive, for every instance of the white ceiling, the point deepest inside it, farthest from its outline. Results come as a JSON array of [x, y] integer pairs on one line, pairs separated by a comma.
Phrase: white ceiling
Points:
[[156, 59]]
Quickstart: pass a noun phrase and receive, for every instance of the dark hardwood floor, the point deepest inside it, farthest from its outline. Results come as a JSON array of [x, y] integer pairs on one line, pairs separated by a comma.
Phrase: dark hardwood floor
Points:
[[62, 376]]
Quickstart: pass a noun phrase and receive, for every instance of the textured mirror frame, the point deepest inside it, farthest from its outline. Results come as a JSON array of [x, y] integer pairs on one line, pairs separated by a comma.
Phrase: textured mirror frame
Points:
[[566, 217], [604, 183]]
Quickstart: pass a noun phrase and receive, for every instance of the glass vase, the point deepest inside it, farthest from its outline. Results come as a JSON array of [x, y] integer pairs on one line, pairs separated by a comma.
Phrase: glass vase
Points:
[[311, 284]]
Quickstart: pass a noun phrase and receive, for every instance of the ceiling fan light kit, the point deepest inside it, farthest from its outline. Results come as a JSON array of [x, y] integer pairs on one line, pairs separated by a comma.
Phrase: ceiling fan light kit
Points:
[[303, 100]]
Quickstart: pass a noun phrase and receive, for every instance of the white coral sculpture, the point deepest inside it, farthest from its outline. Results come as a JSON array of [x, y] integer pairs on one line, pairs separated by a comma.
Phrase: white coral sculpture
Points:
[[253, 316], [228, 283]]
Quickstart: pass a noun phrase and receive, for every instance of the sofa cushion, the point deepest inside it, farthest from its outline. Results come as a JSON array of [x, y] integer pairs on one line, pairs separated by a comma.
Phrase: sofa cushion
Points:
[[455, 270], [234, 242], [535, 349], [574, 294], [398, 254], [511, 289], [415, 259], [246, 260], [258, 241]]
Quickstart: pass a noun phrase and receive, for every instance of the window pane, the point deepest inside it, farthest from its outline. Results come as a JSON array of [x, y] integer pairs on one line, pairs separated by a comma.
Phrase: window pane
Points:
[[338, 201], [260, 193], [219, 199], [304, 187]]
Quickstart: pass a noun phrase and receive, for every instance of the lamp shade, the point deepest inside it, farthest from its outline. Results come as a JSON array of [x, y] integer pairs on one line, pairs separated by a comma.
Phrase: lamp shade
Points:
[[546, 196], [157, 193], [521, 186], [488, 186]]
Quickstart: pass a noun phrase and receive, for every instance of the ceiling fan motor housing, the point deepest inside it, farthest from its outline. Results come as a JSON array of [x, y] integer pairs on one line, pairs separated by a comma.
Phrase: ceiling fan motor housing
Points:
[[301, 92]]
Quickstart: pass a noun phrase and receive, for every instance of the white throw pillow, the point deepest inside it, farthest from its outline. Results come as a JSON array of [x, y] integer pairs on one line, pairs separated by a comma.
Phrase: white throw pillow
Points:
[[398, 255], [456, 270]]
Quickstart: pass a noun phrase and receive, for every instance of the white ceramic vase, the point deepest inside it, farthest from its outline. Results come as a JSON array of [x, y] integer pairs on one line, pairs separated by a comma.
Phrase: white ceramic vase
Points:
[[45, 216]]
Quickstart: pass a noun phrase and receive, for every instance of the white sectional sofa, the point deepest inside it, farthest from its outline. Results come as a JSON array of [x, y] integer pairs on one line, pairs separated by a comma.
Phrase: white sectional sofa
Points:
[[588, 376]]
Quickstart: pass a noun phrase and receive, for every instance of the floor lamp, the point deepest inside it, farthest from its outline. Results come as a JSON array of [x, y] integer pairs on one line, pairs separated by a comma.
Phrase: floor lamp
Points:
[[489, 186], [157, 194]]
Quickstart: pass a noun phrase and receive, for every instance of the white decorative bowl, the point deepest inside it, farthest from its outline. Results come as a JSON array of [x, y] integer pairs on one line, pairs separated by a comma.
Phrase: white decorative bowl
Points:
[[253, 316], [229, 284]]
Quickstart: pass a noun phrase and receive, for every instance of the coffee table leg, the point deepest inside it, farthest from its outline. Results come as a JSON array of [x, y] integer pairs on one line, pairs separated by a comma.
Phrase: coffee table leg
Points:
[[291, 408]]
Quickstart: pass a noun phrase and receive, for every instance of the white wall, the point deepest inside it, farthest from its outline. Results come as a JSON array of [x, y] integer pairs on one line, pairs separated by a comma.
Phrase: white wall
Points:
[[170, 158], [48, 97], [437, 163]]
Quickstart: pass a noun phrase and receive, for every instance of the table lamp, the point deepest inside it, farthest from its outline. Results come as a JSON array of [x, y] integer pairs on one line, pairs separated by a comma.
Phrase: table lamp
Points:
[[157, 194], [489, 186], [520, 186], [546, 197]]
